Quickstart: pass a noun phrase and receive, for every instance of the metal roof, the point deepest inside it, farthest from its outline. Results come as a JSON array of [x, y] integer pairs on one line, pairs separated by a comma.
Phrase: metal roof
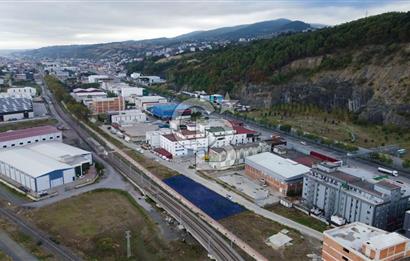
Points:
[[41, 158], [11, 104], [277, 167], [25, 133], [31, 162]]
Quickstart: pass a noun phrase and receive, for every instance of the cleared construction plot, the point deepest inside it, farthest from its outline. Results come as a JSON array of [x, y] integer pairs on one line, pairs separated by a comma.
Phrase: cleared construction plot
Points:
[[256, 230], [94, 224]]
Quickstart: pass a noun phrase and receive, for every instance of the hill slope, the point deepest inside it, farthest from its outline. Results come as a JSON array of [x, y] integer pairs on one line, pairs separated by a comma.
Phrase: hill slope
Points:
[[264, 29], [361, 66], [261, 29]]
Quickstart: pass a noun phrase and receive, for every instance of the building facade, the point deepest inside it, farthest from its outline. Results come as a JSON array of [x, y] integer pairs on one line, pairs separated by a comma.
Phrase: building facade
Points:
[[361, 242], [282, 174], [336, 193], [12, 109], [128, 117], [105, 105], [22, 137]]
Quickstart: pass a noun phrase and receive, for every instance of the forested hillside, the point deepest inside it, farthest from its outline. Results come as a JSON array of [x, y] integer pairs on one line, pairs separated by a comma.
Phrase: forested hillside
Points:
[[361, 66]]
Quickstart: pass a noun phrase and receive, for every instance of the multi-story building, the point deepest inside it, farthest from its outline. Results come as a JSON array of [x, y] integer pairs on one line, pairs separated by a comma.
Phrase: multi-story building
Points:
[[361, 242], [336, 193], [184, 142], [280, 173], [104, 105]]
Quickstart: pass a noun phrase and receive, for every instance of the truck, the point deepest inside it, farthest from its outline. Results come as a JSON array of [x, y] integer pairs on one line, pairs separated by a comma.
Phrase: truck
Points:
[[394, 173]]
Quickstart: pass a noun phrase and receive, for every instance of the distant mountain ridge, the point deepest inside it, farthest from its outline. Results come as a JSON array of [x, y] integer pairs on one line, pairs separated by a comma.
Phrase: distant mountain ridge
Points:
[[265, 29]]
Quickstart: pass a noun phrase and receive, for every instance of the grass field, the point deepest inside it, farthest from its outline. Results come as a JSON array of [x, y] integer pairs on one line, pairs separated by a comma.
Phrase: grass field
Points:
[[299, 217], [5, 257], [94, 225], [335, 127], [26, 124], [27, 242], [255, 230]]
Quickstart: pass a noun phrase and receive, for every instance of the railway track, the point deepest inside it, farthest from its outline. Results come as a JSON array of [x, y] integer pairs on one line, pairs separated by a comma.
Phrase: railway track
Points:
[[212, 241]]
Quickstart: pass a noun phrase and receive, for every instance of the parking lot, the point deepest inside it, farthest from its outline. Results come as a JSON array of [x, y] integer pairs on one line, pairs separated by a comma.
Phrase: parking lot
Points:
[[259, 193]]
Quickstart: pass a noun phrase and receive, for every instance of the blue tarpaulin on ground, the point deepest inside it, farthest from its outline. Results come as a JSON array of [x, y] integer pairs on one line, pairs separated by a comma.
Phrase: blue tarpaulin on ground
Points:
[[210, 202]]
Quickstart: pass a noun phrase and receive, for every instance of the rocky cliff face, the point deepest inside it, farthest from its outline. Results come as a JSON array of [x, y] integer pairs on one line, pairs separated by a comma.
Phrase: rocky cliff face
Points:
[[375, 84]]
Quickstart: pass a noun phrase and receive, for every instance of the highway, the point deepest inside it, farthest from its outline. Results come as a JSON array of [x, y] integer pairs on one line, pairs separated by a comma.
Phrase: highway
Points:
[[145, 181]]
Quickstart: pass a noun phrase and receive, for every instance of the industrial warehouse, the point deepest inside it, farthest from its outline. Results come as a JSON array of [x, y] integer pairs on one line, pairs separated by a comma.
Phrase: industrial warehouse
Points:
[[41, 166], [27, 136], [280, 173]]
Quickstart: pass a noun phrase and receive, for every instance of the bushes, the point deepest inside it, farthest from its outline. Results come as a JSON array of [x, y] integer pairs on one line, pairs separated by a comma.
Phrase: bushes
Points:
[[285, 127], [381, 157], [406, 164]]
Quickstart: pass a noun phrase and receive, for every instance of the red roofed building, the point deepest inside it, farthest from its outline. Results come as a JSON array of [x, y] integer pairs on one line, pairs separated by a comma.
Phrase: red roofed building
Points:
[[23, 137]]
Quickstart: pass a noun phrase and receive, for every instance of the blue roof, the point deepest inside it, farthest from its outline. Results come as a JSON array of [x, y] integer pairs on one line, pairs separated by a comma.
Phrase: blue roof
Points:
[[166, 110], [210, 202]]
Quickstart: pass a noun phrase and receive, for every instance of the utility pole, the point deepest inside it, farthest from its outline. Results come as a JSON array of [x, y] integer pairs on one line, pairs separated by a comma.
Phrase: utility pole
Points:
[[128, 237]]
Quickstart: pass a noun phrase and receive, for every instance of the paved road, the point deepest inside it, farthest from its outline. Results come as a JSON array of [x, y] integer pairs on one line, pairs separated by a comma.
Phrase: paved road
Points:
[[14, 250], [203, 232]]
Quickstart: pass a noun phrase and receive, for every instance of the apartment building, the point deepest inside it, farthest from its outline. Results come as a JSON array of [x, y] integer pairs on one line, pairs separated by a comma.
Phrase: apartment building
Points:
[[335, 193], [361, 242]]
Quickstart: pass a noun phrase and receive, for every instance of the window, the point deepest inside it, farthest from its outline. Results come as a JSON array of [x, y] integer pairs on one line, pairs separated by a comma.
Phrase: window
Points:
[[345, 258], [51, 138], [21, 143], [346, 250], [13, 145], [36, 140], [4, 146], [29, 141], [44, 138], [58, 136]]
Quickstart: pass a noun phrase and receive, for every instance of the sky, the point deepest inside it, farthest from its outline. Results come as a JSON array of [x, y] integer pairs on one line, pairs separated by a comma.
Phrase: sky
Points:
[[26, 24]]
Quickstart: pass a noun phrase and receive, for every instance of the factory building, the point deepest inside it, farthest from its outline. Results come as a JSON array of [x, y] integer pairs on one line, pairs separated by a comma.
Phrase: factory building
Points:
[[361, 242], [282, 174], [335, 193], [12, 109], [168, 111], [41, 166], [145, 102], [128, 117], [86, 96], [105, 105], [27, 136], [228, 156], [22, 91]]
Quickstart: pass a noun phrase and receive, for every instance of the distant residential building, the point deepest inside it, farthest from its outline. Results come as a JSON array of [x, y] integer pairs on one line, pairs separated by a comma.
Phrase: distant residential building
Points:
[[126, 92], [97, 78], [336, 193], [150, 80], [135, 75], [15, 108], [283, 174], [20, 77], [361, 242], [22, 137], [105, 105], [23, 91], [1, 81], [128, 117]]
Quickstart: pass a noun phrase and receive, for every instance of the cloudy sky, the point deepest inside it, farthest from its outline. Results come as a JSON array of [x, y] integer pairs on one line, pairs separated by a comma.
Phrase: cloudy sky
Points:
[[37, 23]]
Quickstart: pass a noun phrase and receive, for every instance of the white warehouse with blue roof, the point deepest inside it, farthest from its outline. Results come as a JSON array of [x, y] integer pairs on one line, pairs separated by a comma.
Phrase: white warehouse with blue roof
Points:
[[42, 166]]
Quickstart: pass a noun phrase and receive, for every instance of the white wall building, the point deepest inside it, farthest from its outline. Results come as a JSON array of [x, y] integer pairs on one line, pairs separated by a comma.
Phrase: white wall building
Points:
[[86, 96], [128, 117], [97, 78], [22, 91], [153, 137], [22, 137], [126, 92], [145, 102], [42, 166], [184, 143]]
